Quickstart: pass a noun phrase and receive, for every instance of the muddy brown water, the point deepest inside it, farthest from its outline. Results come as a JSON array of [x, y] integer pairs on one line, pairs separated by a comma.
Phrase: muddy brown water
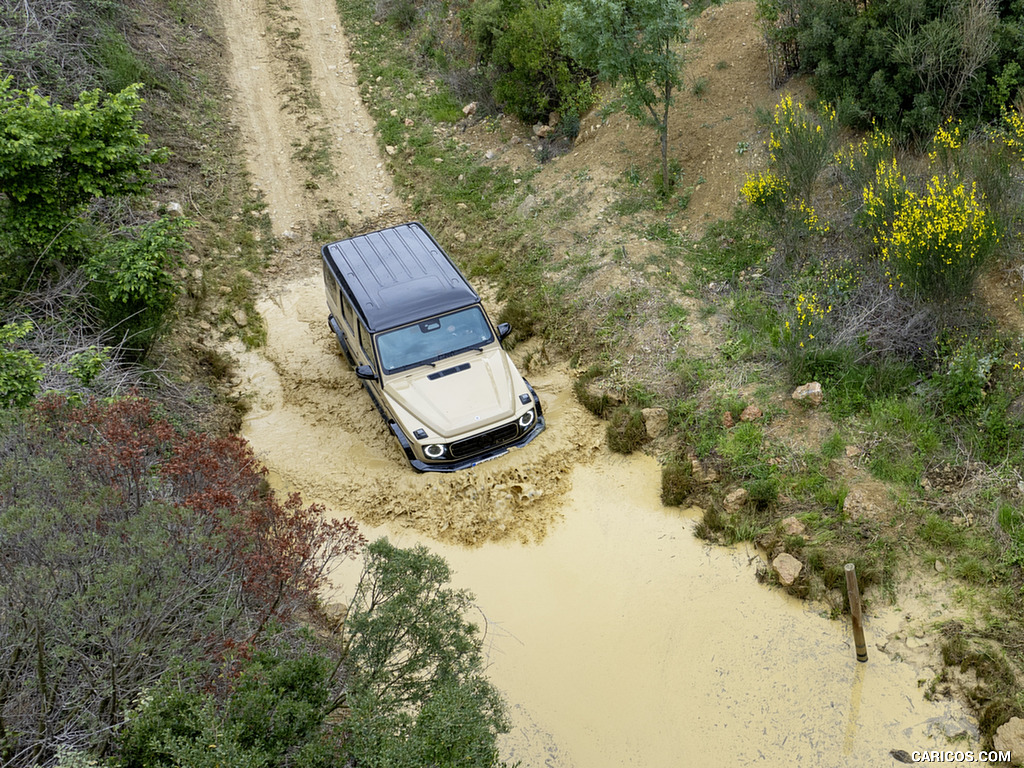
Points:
[[617, 637]]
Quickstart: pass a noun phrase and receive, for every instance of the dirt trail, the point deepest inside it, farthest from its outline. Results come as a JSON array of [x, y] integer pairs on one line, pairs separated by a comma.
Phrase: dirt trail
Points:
[[277, 115]]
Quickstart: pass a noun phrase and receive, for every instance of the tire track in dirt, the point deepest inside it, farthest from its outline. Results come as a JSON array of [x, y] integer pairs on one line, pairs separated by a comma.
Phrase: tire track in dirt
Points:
[[276, 120]]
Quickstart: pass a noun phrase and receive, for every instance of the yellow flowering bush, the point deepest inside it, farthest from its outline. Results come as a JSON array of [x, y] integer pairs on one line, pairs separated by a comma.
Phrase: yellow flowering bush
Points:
[[810, 219], [945, 144], [800, 145], [858, 162], [766, 191], [938, 241], [1014, 136], [883, 198]]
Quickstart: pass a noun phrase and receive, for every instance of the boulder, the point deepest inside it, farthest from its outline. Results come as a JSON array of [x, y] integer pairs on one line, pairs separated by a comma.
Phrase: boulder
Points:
[[1010, 737], [240, 317], [751, 413], [809, 394], [793, 527], [175, 209], [656, 421], [735, 500], [542, 131], [470, 109], [787, 568]]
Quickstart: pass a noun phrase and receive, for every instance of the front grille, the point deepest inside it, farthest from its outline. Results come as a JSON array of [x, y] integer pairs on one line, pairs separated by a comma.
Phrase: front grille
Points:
[[480, 443]]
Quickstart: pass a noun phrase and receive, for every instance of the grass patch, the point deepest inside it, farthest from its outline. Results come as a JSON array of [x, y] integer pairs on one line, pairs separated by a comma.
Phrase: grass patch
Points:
[[626, 429]]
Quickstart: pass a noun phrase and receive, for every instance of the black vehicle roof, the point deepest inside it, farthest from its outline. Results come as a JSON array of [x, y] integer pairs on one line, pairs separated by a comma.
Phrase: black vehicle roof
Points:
[[398, 275]]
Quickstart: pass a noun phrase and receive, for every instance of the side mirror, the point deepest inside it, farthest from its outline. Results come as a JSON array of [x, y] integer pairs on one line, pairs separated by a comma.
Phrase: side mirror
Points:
[[365, 372], [504, 329]]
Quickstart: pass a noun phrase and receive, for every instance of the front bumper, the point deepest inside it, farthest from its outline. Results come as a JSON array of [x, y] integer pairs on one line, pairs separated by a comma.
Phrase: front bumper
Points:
[[491, 452]]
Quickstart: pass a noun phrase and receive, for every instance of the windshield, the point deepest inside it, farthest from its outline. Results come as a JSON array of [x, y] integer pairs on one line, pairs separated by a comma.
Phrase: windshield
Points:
[[431, 340]]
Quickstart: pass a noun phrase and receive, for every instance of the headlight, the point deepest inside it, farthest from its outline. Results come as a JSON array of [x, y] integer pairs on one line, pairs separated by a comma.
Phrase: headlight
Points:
[[527, 419], [434, 450]]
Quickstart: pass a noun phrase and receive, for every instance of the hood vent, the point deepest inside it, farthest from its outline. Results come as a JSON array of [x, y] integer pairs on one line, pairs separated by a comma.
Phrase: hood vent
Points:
[[448, 372]]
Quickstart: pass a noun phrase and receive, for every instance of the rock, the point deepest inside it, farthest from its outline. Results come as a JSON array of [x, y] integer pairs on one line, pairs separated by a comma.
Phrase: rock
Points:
[[408, 122], [852, 451], [656, 421], [751, 413], [1010, 738], [542, 131], [809, 394], [470, 109], [793, 527], [859, 506], [526, 207], [727, 421], [289, 235], [554, 118], [460, 236], [489, 154], [940, 567], [735, 500], [787, 568], [391, 149], [175, 209], [240, 318]]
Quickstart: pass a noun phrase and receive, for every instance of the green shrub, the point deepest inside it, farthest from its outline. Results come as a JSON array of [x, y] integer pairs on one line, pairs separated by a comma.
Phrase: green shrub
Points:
[[134, 281], [522, 41], [598, 404], [763, 492], [909, 64], [626, 429], [20, 369], [676, 481], [939, 241]]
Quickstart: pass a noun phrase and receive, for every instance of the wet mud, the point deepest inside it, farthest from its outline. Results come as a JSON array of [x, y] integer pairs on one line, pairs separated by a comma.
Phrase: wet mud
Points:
[[314, 426], [622, 640]]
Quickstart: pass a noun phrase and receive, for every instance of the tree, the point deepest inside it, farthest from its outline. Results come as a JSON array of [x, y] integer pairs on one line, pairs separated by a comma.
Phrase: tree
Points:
[[416, 692], [54, 161], [631, 41], [127, 547]]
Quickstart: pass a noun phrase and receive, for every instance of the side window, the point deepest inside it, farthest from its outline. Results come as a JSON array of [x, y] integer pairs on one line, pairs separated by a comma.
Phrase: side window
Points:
[[348, 312], [366, 342]]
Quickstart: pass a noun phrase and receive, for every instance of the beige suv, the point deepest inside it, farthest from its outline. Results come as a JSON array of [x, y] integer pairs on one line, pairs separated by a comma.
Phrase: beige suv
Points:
[[425, 350]]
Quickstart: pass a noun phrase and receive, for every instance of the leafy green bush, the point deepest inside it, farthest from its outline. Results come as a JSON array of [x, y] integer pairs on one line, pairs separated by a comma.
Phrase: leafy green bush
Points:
[[522, 41], [55, 161], [20, 369], [134, 278], [910, 64]]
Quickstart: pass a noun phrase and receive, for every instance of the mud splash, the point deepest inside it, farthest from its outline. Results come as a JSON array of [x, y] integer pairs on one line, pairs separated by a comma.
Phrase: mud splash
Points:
[[313, 424], [622, 640]]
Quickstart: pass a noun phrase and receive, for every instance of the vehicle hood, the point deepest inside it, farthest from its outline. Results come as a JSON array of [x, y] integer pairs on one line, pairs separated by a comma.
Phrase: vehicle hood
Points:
[[449, 402]]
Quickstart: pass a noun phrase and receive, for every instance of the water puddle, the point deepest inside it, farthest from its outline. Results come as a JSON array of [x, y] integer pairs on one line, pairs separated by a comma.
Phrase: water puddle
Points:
[[617, 637]]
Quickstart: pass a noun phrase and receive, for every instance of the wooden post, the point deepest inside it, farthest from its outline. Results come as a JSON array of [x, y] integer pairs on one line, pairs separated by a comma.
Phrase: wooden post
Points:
[[853, 591]]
